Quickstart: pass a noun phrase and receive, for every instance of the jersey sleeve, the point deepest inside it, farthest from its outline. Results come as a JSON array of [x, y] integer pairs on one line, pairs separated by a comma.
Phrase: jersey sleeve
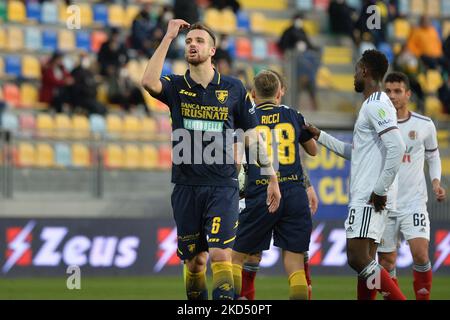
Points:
[[381, 116], [245, 112], [305, 135], [168, 92], [430, 142]]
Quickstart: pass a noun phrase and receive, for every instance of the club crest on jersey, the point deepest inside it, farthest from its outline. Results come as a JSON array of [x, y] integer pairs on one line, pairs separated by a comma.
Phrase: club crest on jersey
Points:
[[222, 95], [412, 135]]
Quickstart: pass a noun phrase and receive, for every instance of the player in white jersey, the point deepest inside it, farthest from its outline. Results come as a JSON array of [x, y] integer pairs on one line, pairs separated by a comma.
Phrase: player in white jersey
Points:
[[376, 154], [411, 217]]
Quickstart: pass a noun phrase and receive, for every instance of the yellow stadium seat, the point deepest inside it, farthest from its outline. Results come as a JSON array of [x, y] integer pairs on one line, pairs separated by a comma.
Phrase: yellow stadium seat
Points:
[[149, 157], [130, 14], [342, 82], [443, 138], [45, 157], [114, 125], [2, 69], [2, 38], [116, 15], [114, 158], [63, 14], [431, 81], [15, 39], [131, 127], [433, 8], [417, 7], [276, 27], [149, 128], [446, 29], [135, 70], [26, 155], [433, 107], [31, 67], [278, 5], [66, 40], [446, 166], [85, 14], [29, 95], [228, 22], [63, 126], [80, 155], [179, 67], [132, 156], [312, 27], [45, 125], [337, 55], [402, 29], [258, 22], [16, 11], [80, 127], [212, 19]]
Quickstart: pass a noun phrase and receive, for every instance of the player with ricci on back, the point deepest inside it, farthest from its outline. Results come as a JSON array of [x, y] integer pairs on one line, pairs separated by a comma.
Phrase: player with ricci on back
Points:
[[205, 198], [291, 224]]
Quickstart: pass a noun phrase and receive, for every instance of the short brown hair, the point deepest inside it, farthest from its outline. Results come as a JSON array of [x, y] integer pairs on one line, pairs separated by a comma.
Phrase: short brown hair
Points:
[[202, 26], [398, 77], [281, 79], [266, 84]]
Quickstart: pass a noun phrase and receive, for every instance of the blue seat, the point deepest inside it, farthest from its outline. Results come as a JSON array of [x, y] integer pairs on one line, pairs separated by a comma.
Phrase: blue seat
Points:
[[232, 47], [63, 155], [33, 11], [33, 39], [97, 123], [49, 13], [243, 21], [9, 121], [13, 65], [167, 68], [304, 4], [49, 40], [83, 39], [259, 48], [386, 48], [445, 8], [101, 14]]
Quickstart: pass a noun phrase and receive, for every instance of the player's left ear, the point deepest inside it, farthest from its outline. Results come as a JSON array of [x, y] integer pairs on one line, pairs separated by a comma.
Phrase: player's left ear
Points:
[[253, 94], [212, 51], [408, 93]]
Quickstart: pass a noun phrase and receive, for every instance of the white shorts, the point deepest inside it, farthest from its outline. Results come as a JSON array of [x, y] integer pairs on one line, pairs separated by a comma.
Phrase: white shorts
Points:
[[364, 222], [411, 225]]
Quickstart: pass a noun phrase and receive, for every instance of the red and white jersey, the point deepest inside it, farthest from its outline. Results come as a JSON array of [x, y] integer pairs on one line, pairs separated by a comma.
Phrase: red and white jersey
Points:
[[419, 134], [377, 116]]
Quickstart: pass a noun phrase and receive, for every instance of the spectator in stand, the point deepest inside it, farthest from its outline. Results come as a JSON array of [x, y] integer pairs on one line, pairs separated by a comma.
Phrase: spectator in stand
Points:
[[56, 81], [226, 4], [444, 95], [84, 88], [424, 43], [222, 58], [307, 55], [342, 18], [122, 90], [407, 63], [363, 24], [446, 47], [141, 31], [186, 10], [113, 53], [159, 30]]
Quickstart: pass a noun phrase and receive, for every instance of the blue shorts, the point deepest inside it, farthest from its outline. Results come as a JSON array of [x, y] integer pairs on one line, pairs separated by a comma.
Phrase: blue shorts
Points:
[[291, 225], [206, 217]]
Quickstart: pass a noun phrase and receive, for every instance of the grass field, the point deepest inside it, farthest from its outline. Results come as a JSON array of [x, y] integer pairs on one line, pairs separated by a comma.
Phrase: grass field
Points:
[[171, 288]]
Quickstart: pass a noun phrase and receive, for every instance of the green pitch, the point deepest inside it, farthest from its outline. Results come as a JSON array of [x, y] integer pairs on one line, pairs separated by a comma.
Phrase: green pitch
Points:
[[162, 288]]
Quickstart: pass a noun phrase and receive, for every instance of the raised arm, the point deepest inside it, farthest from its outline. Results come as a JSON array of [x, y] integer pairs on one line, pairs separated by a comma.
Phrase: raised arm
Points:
[[339, 147], [151, 79]]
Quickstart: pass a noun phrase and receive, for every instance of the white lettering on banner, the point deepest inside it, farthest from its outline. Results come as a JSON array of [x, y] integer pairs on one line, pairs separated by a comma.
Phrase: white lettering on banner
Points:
[[102, 252], [271, 256], [75, 250], [47, 255], [127, 252], [74, 280], [80, 250], [336, 255], [404, 257]]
